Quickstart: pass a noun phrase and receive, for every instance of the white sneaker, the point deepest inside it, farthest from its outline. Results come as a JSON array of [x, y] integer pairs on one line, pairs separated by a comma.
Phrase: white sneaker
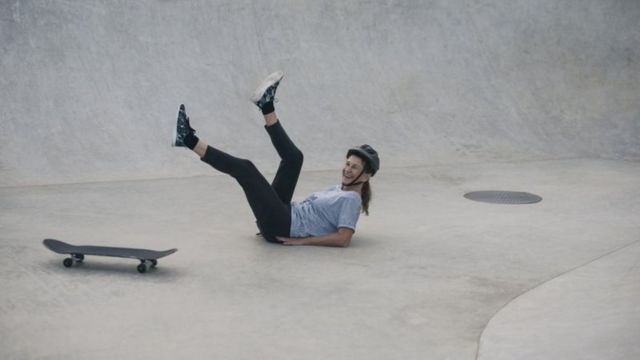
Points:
[[266, 92]]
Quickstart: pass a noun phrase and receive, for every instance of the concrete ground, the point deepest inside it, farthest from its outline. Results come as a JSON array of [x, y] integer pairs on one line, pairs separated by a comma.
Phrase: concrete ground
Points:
[[456, 95], [429, 273]]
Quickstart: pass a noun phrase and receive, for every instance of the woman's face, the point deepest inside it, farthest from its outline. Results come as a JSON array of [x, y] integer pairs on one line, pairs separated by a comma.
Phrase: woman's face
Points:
[[352, 168]]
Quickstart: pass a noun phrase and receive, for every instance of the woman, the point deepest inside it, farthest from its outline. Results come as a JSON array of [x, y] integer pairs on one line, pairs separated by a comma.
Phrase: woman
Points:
[[326, 218]]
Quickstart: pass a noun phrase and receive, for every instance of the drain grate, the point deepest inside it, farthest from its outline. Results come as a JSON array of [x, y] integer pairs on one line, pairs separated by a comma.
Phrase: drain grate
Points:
[[503, 197]]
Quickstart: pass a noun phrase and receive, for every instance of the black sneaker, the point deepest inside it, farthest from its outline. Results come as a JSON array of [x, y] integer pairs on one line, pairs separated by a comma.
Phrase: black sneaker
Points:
[[182, 128], [266, 92]]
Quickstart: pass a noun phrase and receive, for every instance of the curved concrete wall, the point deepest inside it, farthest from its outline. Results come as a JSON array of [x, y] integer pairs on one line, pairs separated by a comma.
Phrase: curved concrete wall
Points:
[[90, 89], [583, 314]]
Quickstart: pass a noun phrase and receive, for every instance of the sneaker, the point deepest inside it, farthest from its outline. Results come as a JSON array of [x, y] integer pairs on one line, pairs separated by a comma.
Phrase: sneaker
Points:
[[182, 128], [266, 92]]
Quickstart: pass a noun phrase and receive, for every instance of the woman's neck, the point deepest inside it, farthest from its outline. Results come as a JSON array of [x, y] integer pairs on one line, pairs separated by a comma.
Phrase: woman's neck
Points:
[[356, 188]]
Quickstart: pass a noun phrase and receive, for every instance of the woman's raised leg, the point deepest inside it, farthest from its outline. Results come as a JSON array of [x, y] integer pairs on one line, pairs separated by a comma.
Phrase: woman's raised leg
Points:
[[291, 159]]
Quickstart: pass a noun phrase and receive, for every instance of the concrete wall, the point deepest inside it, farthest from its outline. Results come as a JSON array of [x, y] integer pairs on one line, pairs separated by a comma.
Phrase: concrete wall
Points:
[[90, 89]]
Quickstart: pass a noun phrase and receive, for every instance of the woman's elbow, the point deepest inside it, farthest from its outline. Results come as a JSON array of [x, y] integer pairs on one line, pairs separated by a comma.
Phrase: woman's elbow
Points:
[[345, 238], [342, 242]]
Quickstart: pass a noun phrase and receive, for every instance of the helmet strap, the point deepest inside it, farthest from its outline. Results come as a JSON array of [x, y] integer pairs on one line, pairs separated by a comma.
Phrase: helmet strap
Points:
[[355, 181]]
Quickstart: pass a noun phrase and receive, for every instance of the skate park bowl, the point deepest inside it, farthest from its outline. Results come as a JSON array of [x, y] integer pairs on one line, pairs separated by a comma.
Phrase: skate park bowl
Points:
[[458, 97]]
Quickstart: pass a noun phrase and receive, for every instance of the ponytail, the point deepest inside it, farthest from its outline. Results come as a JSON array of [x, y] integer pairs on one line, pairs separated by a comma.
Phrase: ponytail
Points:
[[366, 197]]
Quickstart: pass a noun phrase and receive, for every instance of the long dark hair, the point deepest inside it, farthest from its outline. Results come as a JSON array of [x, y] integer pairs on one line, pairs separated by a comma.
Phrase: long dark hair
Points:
[[366, 191], [366, 197]]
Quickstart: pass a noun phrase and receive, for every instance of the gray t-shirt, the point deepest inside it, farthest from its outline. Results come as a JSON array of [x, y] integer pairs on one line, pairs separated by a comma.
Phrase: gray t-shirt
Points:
[[323, 212]]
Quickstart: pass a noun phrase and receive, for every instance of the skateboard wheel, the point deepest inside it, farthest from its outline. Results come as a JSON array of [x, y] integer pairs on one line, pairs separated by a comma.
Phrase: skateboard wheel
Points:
[[68, 262], [154, 263], [142, 268]]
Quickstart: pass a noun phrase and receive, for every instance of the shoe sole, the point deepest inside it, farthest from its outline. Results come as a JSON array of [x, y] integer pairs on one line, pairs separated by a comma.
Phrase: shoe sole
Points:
[[174, 137], [174, 134], [270, 80]]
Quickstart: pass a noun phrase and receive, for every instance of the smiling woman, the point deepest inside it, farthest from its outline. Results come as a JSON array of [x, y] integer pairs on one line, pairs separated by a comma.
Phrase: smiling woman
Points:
[[326, 218], [362, 160]]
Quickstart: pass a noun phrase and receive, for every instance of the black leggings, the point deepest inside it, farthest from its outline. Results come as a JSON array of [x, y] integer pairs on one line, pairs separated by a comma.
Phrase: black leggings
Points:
[[270, 203]]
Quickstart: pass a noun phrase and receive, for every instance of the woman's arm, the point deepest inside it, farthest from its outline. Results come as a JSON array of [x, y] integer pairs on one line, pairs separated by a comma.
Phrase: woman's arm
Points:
[[341, 238]]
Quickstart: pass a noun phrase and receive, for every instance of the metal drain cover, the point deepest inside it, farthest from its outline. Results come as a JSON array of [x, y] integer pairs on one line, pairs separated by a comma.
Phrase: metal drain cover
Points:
[[503, 197]]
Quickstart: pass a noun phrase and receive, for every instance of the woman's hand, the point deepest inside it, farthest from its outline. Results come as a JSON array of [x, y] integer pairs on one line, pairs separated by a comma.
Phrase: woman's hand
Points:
[[291, 241], [341, 238]]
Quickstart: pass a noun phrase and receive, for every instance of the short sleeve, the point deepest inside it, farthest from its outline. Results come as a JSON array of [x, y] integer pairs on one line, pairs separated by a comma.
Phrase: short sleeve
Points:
[[350, 211]]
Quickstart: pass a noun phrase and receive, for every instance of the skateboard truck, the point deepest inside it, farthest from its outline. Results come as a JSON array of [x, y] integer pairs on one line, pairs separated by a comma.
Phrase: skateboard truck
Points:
[[146, 265], [74, 259]]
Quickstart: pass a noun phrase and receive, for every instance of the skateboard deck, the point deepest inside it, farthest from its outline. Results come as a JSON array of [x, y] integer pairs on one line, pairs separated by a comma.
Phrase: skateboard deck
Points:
[[148, 258]]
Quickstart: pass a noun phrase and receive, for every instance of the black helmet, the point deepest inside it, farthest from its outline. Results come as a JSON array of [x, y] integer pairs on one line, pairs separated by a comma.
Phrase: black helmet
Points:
[[368, 154]]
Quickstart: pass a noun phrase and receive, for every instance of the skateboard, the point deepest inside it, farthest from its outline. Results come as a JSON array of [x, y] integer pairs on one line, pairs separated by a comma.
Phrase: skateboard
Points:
[[148, 258]]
